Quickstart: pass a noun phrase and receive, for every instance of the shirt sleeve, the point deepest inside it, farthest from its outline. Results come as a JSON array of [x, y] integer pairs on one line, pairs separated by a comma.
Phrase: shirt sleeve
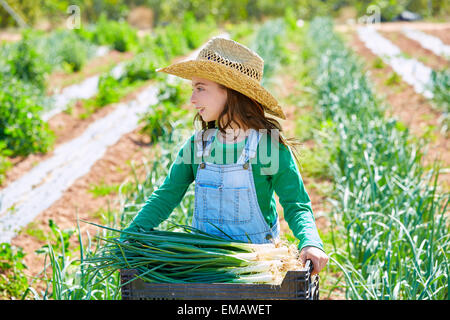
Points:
[[168, 196], [294, 199]]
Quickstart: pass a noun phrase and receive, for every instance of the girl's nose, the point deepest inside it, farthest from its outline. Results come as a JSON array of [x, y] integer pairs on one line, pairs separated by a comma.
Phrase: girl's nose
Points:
[[193, 100]]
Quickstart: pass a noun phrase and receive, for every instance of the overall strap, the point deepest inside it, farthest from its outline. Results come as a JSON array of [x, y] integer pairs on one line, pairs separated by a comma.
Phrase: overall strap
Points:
[[250, 147], [205, 142]]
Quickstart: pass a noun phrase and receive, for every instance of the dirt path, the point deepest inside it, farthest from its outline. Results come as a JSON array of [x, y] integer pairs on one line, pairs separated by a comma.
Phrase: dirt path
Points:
[[409, 107], [443, 34]]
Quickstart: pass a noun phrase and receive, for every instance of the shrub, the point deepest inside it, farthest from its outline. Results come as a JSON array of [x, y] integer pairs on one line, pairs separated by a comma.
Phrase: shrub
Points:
[[21, 128], [120, 35], [26, 63]]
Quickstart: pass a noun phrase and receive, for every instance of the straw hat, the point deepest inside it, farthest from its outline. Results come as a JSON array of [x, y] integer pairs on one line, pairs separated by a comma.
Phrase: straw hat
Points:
[[233, 65]]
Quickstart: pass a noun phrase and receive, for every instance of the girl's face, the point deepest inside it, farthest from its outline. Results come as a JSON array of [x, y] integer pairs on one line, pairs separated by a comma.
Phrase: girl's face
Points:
[[208, 98]]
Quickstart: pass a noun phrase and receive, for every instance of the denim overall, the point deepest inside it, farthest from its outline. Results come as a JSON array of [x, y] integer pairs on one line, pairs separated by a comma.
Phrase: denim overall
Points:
[[225, 197]]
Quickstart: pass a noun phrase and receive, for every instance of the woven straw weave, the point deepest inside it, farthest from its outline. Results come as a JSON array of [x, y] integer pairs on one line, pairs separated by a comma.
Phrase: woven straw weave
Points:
[[231, 64]]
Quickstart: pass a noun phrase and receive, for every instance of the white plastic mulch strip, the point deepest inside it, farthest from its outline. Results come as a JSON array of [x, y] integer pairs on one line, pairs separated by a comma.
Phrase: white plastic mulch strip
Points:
[[38, 189], [84, 90], [34, 192], [411, 71], [429, 42]]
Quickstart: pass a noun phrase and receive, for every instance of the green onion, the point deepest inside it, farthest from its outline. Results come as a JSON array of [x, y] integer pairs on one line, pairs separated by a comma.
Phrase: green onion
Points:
[[180, 257]]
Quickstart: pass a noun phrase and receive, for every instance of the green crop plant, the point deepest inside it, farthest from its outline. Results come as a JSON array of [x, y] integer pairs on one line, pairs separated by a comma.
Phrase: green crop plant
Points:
[[13, 281], [119, 35], [141, 67], [386, 206], [107, 90], [191, 255], [23, 61], [73, 53], [172, 40], [161, 119], [440, 86], [63, 49], [378, 63], [241, 32]]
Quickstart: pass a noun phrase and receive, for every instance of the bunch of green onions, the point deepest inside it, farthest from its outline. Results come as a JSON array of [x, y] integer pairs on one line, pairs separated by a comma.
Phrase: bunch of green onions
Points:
[[180, 257]]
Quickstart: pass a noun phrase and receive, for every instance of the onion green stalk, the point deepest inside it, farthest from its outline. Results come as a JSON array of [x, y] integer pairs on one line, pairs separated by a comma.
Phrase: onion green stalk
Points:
[[191, 256]]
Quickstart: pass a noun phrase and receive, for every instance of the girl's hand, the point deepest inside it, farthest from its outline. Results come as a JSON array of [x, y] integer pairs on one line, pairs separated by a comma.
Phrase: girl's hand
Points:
[[317, 257]]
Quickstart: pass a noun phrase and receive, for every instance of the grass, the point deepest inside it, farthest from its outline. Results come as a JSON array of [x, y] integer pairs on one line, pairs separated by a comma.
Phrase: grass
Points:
[[378, 63], [102, 189], [306, 123], [79, 76], [33, 229], [393, 79]]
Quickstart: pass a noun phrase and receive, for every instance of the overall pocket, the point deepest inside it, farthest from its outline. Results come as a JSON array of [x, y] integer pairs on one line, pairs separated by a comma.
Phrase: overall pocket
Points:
[[220, 205]]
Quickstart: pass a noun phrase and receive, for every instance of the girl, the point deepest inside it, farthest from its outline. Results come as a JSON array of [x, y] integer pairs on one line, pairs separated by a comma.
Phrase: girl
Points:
[[238, 159]]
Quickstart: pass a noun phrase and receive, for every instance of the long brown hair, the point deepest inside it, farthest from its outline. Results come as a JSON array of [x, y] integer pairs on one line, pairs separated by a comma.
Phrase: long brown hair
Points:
[[245, 109]]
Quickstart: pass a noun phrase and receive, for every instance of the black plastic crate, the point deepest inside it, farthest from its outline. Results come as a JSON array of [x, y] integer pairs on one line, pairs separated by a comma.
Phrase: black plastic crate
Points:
[[296, 285]]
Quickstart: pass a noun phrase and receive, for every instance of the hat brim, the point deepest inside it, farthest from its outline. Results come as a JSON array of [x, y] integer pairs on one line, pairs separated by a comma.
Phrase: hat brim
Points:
[[228, 77]]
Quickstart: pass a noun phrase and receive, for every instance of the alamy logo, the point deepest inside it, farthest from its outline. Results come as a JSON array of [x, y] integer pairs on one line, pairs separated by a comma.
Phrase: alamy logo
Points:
[[74, 20], [373, 15]]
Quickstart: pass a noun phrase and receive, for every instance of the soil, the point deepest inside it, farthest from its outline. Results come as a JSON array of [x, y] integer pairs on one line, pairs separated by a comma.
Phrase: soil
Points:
[[411, 108], [112, 169], [443, 34]]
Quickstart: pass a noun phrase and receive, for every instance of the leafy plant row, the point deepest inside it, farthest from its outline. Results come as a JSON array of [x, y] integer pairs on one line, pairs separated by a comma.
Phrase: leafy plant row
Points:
[[390, 234], [70, 278]]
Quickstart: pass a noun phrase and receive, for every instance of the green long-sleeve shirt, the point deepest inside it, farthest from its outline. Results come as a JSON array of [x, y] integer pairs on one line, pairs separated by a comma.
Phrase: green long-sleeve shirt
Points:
[[281, 177]]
